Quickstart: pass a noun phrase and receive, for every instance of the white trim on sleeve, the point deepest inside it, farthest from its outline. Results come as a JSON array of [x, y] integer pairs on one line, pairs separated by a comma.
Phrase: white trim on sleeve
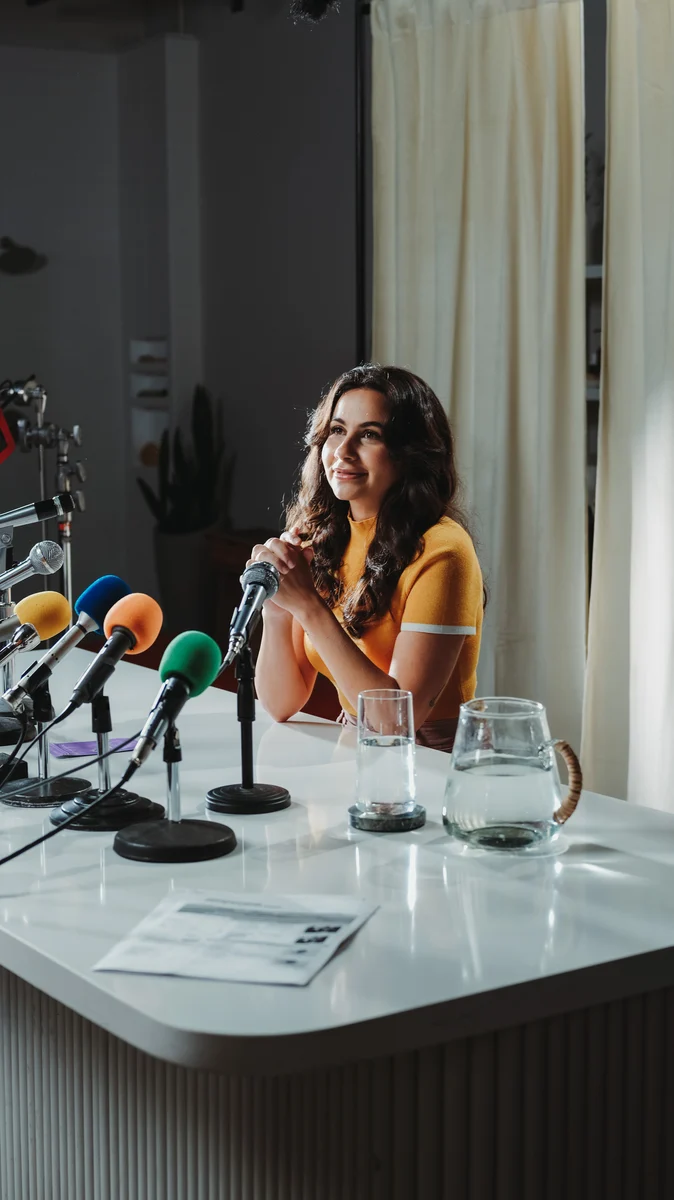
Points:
[[415, 627]]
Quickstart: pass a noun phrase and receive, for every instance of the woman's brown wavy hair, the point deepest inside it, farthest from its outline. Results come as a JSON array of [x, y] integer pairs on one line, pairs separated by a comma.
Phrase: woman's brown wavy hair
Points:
[[420, 441]]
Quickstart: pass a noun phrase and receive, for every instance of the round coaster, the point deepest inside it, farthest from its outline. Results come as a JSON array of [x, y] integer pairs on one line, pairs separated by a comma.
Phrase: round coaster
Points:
[[376, 823]]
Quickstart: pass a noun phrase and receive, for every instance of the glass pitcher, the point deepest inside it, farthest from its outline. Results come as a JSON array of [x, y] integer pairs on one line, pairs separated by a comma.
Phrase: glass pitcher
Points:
[[503, 791]]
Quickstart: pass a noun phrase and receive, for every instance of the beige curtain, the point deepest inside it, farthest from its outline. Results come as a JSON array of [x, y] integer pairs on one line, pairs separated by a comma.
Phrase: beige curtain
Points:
[[479, 286], [628, 742]]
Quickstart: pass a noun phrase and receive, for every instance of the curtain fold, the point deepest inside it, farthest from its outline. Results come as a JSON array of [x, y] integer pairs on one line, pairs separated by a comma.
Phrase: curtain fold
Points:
[[628, 747], [478, 144]]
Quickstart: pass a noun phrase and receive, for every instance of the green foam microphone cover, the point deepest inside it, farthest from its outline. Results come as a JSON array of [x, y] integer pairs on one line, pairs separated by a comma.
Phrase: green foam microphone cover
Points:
[[195, 657]]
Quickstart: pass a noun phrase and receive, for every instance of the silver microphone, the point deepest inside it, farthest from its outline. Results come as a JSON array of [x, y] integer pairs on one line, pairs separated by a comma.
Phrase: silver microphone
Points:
[[40, 671], [41, 510], [9, 626], [25, 638], [260, 581], [45, 558]]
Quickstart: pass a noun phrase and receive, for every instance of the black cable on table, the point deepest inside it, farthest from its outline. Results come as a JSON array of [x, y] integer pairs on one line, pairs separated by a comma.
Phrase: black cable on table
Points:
[[130, 770], [6, 770], [30, 784]]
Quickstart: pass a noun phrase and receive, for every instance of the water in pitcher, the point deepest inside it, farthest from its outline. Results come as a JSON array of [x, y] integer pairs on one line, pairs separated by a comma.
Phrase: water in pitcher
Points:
[[385, 774], [507, 804]]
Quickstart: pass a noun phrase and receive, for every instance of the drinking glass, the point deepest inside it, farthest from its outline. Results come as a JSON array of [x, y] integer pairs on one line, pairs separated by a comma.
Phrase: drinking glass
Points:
[[503, 790], [385, 778]]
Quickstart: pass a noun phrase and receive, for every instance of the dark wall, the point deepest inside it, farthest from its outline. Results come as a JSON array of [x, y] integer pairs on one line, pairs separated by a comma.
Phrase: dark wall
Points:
[[60, 195], [278, 196], [594, 13]]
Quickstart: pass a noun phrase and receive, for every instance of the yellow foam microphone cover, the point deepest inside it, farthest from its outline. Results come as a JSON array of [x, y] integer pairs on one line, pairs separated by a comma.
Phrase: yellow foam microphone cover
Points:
[[138, 613], [49, 612]]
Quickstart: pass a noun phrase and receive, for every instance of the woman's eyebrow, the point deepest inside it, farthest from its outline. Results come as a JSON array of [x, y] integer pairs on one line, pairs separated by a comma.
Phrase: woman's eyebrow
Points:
[[363, 424]]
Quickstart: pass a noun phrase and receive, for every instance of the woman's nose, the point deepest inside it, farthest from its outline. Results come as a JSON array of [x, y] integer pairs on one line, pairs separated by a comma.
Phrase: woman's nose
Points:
[[345, 448]]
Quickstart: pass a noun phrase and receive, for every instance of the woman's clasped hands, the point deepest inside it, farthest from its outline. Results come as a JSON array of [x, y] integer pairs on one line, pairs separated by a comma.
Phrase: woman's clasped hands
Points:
[[292, 561]]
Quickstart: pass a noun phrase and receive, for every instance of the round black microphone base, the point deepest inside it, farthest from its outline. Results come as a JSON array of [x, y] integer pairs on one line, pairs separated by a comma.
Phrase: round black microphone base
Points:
[[122, 809], [43, 793], [174, 841], [235, 798]]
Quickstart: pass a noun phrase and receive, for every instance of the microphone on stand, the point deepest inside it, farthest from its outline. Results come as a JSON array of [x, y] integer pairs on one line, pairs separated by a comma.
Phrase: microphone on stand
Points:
[[260, 581], [40, 617], [121, 807], [45, 558], [41, 510], [49, 613], [92, 608], [190, 665], [131, 626]]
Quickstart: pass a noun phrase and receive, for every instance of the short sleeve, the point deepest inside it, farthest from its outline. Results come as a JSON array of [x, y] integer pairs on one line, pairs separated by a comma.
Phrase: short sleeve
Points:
[[446, 596]]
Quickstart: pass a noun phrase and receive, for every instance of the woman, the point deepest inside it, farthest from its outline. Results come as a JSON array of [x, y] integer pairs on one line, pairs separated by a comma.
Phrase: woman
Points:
[[380, 582]]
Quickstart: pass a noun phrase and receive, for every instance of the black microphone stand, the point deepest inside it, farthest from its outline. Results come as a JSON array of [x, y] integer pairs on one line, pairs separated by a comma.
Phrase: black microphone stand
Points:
[[174, 840], [44, 792], [123, 807], [10, 725], [247, 796]]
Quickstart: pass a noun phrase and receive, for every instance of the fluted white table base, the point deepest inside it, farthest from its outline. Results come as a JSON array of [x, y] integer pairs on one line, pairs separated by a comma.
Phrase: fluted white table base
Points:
[[577, 1106]]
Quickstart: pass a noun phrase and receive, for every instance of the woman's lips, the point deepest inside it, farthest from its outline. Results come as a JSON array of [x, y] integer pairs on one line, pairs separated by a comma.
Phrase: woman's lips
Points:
[[348, 474]]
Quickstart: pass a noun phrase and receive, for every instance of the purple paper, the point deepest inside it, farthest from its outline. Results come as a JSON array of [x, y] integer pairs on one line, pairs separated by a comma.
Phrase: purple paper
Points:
[[86, 749]]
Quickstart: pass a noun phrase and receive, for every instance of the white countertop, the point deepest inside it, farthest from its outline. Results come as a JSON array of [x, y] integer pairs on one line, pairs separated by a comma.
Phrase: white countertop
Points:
[[462, 942]]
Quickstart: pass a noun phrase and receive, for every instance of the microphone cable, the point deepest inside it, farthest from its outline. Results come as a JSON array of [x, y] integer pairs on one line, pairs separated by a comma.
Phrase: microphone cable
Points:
[[7, 769], [30, 783], [130, 770], [8, 766]]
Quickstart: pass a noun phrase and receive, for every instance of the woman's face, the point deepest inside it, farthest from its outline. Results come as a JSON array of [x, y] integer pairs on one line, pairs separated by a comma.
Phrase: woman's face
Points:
[[355, 457]]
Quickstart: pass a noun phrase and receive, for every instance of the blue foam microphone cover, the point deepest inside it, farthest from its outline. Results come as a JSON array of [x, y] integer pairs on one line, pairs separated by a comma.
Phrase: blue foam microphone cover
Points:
[[99, 597]]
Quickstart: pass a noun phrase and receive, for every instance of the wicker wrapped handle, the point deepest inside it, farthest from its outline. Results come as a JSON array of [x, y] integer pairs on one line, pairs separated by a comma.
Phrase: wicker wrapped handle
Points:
[[568, 806]]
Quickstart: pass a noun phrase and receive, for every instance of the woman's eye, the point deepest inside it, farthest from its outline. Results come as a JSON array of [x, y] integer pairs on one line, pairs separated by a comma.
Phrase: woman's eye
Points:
[[336, 429], [371, 433]]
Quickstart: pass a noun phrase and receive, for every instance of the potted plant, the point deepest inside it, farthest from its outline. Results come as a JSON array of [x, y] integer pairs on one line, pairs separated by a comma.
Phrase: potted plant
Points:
[[192, 499]]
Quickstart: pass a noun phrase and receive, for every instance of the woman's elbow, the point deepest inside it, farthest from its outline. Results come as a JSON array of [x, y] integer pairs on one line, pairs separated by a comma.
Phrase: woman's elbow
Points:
[[278, 714]]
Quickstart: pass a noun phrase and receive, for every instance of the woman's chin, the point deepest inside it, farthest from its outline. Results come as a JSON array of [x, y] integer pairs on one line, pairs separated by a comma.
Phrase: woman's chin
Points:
[[345, 489]]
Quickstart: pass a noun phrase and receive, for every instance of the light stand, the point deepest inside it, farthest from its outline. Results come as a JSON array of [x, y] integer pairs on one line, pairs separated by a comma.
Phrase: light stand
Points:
[[174, 840], [247, 796], [42, 437], [64, 472], [123, 808], [10, 725], [45, 792]]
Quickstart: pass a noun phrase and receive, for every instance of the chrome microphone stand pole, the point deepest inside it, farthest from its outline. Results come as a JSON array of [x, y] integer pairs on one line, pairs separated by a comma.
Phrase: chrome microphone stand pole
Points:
[[7, 674], [40, 401], [64, 473]]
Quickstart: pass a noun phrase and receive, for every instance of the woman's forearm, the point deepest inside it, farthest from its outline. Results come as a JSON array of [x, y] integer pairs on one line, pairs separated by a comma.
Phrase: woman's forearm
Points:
[[351, 670], [279, 682]]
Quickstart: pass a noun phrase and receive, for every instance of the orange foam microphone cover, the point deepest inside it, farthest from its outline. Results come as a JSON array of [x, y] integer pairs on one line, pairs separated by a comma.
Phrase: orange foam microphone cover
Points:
[[49, 612], [138, 613]]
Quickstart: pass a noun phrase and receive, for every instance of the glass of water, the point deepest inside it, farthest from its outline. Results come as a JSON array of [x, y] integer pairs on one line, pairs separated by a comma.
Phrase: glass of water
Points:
[[503, 790], [385, 778]]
